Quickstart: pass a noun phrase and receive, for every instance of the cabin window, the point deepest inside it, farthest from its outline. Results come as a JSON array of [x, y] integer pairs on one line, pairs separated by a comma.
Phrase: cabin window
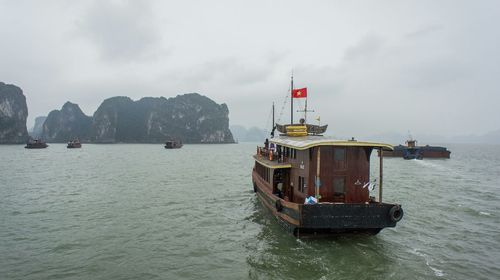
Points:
[[339, 158], [302, 184], [339, 154], [263, 172], [339, 185], [294, 154]]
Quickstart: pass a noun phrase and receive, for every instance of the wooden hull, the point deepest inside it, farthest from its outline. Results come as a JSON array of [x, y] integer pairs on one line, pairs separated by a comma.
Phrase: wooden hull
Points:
[[173, 147], [37, 146], [74, 146], [327, 218]]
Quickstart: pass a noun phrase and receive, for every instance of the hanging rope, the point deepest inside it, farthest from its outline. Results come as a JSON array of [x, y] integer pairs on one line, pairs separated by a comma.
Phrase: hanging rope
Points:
[[284, 105], [266, 128]]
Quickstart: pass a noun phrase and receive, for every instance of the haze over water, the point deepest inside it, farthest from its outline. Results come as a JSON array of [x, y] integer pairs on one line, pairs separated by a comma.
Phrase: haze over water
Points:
[[133, 211]]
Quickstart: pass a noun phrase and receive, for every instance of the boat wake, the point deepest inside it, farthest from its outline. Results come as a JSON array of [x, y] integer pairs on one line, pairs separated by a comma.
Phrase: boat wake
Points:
[[428, 260]]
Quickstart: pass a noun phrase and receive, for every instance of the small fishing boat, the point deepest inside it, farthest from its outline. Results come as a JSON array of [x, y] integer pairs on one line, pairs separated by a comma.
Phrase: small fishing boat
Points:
[[173, 144], [316, 185], [74, 144], [36, 144]]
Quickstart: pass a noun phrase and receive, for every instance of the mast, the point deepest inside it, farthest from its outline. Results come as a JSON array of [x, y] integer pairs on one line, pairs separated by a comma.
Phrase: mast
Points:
[[305, 110], [291, 101], [273, 116], [273, 125]]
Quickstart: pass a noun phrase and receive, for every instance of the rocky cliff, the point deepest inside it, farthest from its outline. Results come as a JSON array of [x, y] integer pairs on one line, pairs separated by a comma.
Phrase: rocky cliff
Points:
[[192, 118], [37, 130], [66, 124], [13, 114], [252, 134]]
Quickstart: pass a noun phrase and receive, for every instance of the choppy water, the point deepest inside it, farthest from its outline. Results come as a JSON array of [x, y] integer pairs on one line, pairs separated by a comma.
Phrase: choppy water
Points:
[[142, 212]]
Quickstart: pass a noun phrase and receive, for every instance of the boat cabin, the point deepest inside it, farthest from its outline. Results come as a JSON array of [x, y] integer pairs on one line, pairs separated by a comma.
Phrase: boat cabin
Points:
[[294, 166]]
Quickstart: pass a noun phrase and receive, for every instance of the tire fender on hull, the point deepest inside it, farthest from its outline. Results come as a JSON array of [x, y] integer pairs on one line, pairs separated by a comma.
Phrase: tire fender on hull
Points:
[[279, 206], [396, 213]]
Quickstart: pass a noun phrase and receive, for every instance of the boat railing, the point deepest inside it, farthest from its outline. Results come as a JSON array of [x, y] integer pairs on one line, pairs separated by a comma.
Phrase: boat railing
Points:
[[271, 155]]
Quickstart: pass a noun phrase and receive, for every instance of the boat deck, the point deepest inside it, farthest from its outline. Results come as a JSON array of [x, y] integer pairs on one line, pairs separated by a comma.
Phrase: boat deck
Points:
[[274, 164]]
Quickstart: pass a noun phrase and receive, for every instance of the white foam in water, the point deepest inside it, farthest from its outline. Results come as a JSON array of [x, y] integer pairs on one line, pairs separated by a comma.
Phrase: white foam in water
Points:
[[484, 213], [437, 272]]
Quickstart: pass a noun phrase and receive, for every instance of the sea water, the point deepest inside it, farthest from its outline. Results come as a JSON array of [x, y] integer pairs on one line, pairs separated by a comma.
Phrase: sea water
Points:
[[134, 211]]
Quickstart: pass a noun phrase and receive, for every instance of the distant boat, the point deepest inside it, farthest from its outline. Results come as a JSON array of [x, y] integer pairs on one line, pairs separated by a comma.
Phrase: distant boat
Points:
[[74, 144], [412, 151], [173, 144], [36, 144]]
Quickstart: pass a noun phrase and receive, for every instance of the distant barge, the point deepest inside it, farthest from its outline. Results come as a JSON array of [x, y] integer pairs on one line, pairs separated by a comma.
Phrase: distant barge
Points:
[[412, 151]]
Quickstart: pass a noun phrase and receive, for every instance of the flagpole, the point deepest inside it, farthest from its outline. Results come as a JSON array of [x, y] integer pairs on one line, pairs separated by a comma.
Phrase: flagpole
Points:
[[305, 111], [291, 101]]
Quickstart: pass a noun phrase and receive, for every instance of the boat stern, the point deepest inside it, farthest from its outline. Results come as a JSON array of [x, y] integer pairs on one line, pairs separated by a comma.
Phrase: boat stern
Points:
[[344, 218]]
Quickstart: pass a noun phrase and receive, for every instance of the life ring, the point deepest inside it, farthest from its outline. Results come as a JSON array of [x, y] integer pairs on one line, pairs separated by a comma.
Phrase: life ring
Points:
[[279, 206], [396, 213], [271, 155]]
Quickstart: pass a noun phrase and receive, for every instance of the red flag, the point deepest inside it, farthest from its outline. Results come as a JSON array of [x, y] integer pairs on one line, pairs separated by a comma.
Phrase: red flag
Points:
[[299, 93]]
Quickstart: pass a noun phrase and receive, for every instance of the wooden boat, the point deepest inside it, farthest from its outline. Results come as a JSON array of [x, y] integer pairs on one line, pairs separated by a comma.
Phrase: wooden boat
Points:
[[74, 144], [318, 185], [36, 144], [173, 144]]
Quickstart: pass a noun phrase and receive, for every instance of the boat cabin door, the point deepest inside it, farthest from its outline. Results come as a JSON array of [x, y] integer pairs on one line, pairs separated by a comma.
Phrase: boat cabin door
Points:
[[280, 182]]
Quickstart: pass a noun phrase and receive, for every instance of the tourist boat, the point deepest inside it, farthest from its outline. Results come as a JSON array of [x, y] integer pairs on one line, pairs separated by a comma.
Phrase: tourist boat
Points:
[[173, 144], [318, 185], [74, 144], [412, 151], [36, 144]]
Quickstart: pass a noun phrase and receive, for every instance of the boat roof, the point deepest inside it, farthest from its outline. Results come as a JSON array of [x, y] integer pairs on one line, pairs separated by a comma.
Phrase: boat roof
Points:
[[306, 142]]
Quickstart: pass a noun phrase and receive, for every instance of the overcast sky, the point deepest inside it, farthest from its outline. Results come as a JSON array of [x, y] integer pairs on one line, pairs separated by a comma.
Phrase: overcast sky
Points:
[[432, 67]]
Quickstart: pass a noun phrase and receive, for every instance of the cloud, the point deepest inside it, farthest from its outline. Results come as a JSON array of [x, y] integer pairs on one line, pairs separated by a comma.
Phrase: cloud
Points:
[[122, 30], [424, 31], [368, 47], [431, 67]]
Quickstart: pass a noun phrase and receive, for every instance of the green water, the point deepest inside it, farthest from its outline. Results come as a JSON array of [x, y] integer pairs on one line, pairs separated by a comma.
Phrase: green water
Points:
[[132, 211]]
